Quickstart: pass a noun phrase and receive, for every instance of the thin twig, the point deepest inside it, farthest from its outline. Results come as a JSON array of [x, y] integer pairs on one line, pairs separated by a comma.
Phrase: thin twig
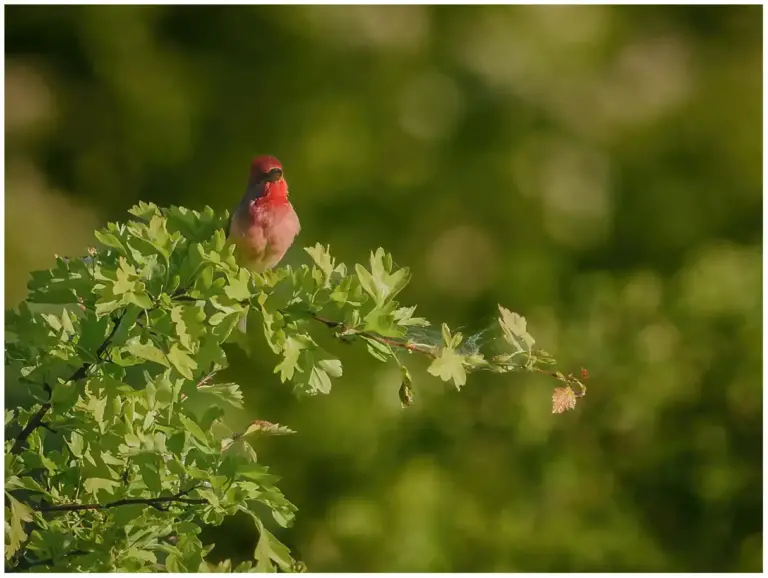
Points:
[[331, 324], [206, 379], [49, 428], [33, 424], [157, 503], [376, 337], [569, 380], [25, 565], [202, 382]]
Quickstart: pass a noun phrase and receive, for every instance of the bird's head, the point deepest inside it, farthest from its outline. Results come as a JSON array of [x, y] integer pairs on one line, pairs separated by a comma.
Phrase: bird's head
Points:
[[266, 169], [266, 179]]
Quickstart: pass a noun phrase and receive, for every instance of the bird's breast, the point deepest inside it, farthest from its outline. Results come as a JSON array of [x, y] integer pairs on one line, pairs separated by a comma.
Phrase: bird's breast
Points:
[[266, 233], [277, 220]]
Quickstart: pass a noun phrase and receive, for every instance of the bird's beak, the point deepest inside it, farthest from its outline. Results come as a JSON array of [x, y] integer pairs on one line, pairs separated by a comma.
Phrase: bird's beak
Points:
[[274, 175]]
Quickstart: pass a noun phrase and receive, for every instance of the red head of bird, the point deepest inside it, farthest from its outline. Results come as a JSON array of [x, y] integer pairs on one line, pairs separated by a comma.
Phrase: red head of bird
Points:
[[266, 178]]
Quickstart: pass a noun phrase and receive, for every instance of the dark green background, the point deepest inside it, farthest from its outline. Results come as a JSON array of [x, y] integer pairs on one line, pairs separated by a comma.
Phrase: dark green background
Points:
[[597, 169]]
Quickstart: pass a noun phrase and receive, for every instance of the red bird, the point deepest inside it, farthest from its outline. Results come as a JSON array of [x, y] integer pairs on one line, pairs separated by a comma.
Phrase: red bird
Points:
[[264, 224]]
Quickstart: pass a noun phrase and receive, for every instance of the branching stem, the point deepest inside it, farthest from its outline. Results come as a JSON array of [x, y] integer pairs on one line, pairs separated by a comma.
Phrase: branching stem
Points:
[[157, 503], [430, 352]]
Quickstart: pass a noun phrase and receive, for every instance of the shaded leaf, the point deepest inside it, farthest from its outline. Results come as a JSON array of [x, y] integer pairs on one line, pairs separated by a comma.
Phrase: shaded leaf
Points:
[[93, 485]]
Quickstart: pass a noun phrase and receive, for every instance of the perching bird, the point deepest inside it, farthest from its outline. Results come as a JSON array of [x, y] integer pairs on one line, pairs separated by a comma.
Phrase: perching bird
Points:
[[264, 224]]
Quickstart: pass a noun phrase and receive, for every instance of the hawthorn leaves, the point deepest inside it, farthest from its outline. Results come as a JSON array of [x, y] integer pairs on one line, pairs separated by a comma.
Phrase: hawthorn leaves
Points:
[[117, 451]]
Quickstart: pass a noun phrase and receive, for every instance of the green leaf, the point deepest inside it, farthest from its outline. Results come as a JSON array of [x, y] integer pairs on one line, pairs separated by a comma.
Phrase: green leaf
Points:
[[151, 477], [76, 444], [194, 429], [368, 282], [107, 306], [182, 361], [93, 485], [145, 211], [331, 366], [148, 351], [141, 555], [64, 397], [224, 325], [93, 332], [174, 565], [140, 299], [319, 380], [379, 283], [25, 482], [126, 275], [157, 235], [449, 366], [315, 378], [404, 316], [188, 320], [16, 535], [237, 289], [322, 258], [515, 331], [258, 473], [211, 415], [380, 351], [269, 549], [110, 237], [447, 338], [227, 392], [291, 351], [209, 495]]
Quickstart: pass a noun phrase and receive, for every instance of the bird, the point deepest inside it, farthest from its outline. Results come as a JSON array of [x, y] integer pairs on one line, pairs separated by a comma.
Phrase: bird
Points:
[[264, 224]]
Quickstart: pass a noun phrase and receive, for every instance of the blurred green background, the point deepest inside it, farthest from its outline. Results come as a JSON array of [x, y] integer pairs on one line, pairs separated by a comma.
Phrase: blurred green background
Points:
[[596, 169]]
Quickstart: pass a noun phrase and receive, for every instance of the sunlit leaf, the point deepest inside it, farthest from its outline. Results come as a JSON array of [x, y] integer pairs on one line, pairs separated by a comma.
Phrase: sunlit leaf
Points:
[[515, 331], [563, 399], [15, 534], [449, 366]]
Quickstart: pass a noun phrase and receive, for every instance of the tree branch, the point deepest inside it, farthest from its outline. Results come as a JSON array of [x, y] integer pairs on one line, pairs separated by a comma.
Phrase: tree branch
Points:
[[201, 383], [569, 380], [25, 565], [376, 337], [157, 503], [180, 296], [37, 419], [33, 424]]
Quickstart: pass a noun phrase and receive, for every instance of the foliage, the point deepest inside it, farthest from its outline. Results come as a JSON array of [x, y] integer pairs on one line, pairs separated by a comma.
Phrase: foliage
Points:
[[123, 454]]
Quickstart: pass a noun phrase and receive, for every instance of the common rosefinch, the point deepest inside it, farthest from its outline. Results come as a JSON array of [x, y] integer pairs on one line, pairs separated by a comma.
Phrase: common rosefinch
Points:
[[264, 224]]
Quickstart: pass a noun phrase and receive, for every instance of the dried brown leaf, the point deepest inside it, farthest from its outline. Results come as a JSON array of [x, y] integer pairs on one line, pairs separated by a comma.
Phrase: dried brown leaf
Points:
[[563, 399]]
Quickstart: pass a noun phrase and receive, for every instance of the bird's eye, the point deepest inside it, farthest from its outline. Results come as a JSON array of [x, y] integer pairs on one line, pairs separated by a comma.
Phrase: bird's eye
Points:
[[274, 175]]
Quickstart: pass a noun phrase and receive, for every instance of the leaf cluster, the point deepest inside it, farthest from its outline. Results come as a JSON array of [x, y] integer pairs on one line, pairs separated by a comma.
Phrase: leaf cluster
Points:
[[119, 453]]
